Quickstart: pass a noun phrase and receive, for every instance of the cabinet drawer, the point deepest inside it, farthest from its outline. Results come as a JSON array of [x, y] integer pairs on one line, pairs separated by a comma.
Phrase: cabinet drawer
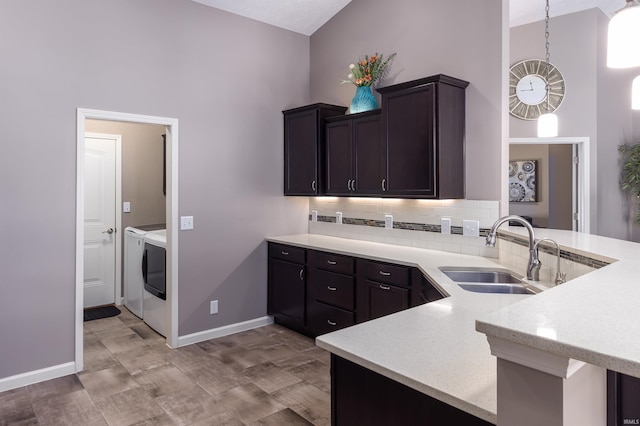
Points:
[[288, 253], [331, 262], [334, 289], [324, 318], [386, 273]]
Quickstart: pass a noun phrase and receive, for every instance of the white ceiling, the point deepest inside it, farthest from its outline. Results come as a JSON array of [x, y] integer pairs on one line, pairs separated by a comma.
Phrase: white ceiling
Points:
[[306, 16]]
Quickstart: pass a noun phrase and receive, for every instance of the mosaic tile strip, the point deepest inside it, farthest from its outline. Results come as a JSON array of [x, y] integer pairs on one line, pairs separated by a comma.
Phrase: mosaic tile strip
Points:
[[409, 226], [574, 257]]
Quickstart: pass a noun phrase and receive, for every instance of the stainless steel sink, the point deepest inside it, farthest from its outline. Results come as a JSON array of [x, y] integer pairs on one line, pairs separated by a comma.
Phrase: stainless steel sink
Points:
[[488, 280]]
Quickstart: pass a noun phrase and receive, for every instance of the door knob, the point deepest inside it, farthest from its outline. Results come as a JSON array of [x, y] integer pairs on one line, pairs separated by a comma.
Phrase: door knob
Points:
[[108, 231]]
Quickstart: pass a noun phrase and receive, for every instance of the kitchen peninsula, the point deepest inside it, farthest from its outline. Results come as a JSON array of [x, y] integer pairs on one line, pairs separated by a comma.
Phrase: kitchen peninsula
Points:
[[435, 348]]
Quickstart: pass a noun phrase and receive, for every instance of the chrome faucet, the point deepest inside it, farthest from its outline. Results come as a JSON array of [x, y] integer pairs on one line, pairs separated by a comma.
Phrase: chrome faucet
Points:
[[560, 277], [533, 266]]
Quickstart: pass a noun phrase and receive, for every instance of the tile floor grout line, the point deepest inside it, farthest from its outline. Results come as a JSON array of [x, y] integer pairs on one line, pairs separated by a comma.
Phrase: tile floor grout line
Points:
[[279, 377]]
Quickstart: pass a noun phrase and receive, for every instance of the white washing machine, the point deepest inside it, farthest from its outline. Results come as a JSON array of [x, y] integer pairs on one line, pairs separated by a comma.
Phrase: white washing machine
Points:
[[154, 267], [133, 282]]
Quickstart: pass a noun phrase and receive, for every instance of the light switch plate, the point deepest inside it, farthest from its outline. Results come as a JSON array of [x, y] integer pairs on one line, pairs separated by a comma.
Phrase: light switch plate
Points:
[[445, 225], [470, 228], [314, 215], [388, 221], [339, 218], [126, 207], [186, 223], [213, 307]]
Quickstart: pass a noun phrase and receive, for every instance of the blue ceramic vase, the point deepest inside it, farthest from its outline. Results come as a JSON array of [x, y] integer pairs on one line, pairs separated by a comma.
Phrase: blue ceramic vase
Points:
[[363, 100]]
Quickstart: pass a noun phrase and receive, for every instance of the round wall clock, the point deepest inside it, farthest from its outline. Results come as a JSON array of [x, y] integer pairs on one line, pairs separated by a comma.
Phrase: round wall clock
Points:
[[528, 92]]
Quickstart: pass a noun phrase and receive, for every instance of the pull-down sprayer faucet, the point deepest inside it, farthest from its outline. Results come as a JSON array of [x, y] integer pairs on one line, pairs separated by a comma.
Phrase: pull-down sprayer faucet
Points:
[[533, 266]]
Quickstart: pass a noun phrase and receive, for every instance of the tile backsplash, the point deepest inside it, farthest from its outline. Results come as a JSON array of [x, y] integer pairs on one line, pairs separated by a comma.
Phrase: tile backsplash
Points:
[[416, 223]]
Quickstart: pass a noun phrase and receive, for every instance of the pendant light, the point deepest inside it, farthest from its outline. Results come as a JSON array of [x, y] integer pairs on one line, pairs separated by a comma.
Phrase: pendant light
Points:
[[547, 122], [635, 93], [624, 33]]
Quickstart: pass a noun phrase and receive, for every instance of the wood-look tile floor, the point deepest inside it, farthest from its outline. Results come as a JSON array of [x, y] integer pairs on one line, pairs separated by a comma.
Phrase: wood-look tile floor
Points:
[[266, 376]]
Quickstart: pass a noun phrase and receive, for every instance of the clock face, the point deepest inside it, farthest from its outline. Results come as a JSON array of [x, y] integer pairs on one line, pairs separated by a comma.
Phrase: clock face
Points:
[[527, 89]]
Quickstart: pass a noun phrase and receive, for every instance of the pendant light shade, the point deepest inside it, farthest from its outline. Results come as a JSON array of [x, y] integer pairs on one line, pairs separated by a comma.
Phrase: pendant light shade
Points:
[[624, 33], [635, 93], [548, 125]]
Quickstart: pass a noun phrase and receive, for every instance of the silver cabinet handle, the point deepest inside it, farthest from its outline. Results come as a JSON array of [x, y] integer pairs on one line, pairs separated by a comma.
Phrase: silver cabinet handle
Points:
[[331, 288], [108, 231], [286, 253], [353, 184], [313, 185], [349, 185], [384, 184], [302, 274], [385, 287], [385, 274], [332, 262], [331, 322]]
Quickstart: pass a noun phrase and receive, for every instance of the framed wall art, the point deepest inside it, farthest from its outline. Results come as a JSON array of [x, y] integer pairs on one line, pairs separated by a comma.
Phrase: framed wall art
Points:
[[522, 181]]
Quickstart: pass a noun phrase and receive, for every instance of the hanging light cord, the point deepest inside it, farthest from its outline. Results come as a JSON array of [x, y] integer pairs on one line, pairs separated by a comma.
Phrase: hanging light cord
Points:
[[546, 37]]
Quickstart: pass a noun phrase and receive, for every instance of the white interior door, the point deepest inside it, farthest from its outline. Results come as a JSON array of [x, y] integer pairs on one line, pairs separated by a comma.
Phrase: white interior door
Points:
[[99, 221]]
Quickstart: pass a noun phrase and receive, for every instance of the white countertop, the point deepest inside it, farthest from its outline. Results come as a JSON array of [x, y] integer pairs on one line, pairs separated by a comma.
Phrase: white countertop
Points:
[[593, 318], [435, 348]]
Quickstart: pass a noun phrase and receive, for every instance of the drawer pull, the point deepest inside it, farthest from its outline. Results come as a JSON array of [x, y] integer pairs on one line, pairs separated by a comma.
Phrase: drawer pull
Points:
[[302, 274], [385, 287], [331, 288], [385, 274], [332, 262], [332, 323], [286, 253]]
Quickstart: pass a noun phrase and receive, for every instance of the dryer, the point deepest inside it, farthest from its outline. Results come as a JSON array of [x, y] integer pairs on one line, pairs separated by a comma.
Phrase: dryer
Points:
[[154, 266]]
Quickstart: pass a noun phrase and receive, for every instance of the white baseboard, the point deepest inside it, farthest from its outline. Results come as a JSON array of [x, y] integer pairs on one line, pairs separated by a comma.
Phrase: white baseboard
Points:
[[213, 333], [36, 376]]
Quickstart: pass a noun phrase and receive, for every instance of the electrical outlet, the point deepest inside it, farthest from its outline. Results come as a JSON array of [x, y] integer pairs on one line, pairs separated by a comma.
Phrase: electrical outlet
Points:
[[213, 308], [388, 221], [470, 228], [126, 207], [314, 215], [445, 225], [186, 222], [339, 218]]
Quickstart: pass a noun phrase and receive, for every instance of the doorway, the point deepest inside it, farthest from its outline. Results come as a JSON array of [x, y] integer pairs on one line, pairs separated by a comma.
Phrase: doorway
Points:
[[171, 213], [579, 176]]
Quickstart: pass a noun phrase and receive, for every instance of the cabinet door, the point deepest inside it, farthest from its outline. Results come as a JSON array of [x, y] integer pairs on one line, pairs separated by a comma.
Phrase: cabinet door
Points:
[[410, 142], [301, 153], [369, 155], [339, 157], [384, 299], [287, 291]]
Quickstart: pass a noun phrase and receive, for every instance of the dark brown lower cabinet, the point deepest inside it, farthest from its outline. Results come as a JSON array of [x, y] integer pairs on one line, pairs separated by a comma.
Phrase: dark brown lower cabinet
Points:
[[384, 299], [316, 292], [360, 396]]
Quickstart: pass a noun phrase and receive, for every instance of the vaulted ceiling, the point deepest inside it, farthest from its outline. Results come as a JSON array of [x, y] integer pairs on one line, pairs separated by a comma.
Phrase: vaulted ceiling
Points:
[[306, 16]]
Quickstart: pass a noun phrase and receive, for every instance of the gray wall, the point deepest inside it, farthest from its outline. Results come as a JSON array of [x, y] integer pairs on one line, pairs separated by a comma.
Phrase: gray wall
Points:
[[596, 105], [554, 184], [225, 78], [141, 169], [430, 37]]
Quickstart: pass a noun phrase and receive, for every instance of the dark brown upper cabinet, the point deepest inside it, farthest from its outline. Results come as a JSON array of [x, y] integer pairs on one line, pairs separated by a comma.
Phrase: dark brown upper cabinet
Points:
[[354, 153], [423, 123], [304, 148]]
